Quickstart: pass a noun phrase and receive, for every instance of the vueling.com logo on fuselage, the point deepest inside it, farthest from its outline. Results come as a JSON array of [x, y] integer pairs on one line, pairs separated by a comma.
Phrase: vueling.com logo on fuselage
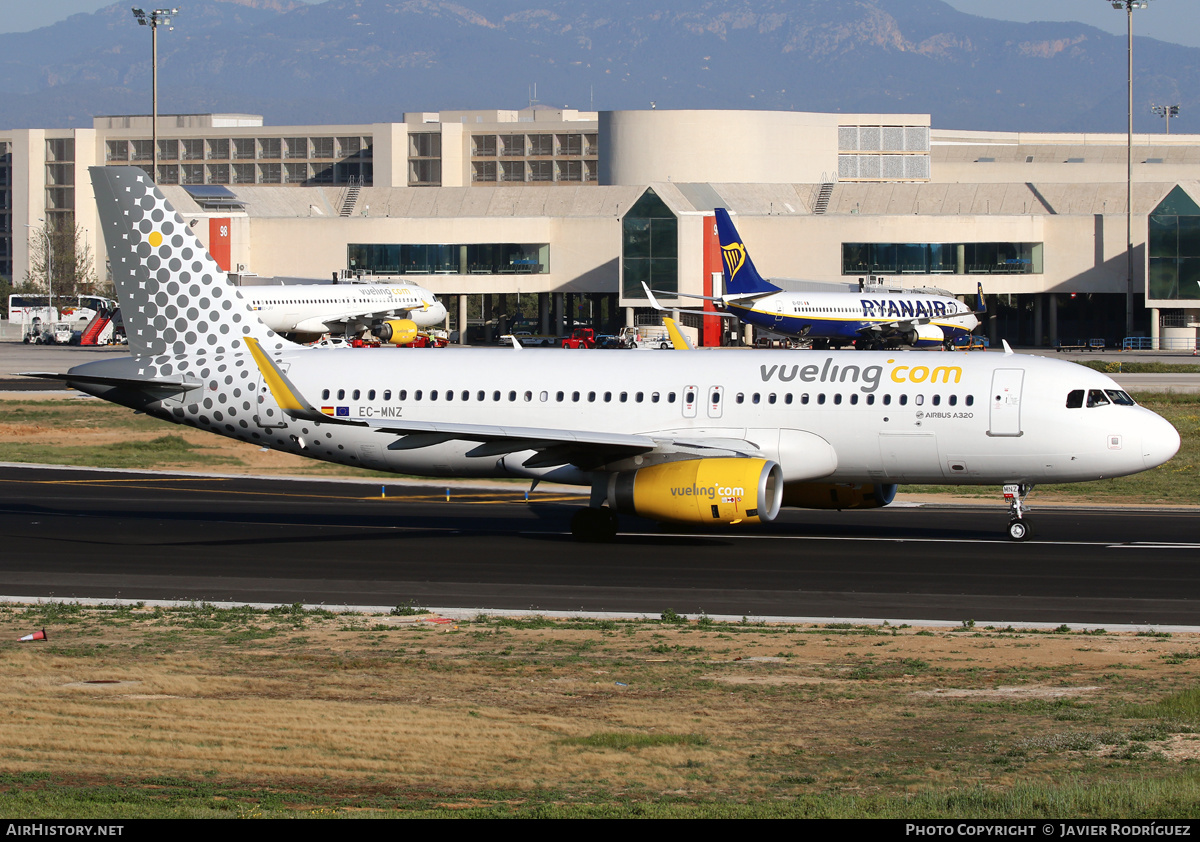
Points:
[[735, 257], [869, 376], [712, 492]]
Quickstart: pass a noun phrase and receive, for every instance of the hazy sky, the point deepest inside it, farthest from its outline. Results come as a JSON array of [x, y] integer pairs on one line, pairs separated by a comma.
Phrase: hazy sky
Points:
[[1169, 20]]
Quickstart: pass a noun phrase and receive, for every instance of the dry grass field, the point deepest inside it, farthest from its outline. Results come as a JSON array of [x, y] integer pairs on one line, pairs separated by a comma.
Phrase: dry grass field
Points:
[[131, 711]]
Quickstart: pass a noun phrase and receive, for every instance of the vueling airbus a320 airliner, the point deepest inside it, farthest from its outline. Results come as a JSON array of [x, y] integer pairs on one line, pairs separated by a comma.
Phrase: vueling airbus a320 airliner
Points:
[[703, 437]]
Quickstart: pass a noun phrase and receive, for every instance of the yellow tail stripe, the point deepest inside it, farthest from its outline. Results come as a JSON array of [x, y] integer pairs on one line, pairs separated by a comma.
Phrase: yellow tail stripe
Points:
[[280, 388]]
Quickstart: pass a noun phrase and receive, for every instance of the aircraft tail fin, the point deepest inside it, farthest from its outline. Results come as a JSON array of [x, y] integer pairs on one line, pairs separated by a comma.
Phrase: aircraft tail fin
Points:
[[175, 299], [741, 278], [980, 304]]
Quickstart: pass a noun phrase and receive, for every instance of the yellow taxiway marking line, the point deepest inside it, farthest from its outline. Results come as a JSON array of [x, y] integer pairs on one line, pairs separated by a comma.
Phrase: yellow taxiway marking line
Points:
[[102, 481]]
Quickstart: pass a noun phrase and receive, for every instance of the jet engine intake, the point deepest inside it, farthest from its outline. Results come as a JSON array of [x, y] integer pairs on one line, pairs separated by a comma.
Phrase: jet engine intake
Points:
[[395, 331], [717, 490], [828, 495], [927, 336]]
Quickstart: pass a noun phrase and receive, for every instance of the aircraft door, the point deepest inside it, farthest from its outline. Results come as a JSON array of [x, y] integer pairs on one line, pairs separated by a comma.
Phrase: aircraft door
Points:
[[715, 395], [690, 397], [267, 413], [1005, 418]]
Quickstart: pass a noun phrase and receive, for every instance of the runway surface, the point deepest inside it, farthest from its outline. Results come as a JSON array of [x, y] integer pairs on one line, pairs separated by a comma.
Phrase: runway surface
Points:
[[97, 534]]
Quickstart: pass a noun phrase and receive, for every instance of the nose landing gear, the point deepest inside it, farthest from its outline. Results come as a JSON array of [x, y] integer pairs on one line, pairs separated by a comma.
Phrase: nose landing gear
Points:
[[1014, 495]]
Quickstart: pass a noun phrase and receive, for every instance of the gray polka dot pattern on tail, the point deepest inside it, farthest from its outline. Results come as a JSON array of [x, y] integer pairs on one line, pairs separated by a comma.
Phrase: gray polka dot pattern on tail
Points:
[[176, 301]]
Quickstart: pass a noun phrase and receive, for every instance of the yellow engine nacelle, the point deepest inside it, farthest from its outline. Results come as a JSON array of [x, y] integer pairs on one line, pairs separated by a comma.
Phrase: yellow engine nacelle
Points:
[[719, 490], [828, 495], [396, 331]]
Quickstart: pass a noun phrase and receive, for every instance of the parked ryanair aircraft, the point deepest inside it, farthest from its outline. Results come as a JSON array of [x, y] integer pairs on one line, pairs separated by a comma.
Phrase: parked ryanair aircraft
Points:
[[869, 321], [714, 437], [391, 312]]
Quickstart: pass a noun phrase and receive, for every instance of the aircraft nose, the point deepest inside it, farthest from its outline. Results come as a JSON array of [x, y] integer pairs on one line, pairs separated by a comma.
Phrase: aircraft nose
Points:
[[1160, 441]]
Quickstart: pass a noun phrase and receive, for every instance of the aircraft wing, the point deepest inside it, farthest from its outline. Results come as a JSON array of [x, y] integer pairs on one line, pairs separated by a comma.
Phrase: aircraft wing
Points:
[[554, 447], [356, 319], [893, 327]]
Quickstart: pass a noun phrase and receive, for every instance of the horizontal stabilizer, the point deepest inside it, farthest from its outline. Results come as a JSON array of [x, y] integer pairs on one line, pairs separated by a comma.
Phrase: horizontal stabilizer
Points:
[[170, 385]]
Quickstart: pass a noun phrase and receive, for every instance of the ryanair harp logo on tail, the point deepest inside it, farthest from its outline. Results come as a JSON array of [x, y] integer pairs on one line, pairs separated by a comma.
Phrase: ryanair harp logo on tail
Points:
[[735, 257]]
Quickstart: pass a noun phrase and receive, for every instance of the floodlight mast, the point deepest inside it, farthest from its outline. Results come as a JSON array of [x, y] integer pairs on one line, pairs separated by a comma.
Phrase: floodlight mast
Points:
[[1166, 112], [1129, 6], [153, 19]]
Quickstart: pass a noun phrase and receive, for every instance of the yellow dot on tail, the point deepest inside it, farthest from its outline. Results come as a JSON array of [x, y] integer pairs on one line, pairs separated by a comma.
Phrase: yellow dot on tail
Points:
[[155, 239]]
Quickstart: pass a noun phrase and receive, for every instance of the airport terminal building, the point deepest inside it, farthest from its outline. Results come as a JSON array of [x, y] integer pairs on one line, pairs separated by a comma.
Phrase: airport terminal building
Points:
[[580, 207]]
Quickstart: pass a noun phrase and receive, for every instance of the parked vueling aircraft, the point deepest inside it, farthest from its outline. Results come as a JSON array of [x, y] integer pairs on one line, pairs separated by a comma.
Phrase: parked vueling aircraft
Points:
[[869, 321], [704, 437], [391, 312]]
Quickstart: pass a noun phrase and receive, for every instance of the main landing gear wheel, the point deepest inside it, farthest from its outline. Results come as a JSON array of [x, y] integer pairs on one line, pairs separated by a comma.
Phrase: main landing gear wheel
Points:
[[594, 526], [1018, 530]]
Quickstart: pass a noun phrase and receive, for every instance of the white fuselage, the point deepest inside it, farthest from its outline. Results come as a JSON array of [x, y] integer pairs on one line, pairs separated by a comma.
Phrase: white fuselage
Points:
[[315, 308], [846, 316], [911, 417]]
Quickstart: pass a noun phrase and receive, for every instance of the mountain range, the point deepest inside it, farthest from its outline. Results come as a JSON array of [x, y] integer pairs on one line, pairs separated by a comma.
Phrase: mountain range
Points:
[[363, 61]]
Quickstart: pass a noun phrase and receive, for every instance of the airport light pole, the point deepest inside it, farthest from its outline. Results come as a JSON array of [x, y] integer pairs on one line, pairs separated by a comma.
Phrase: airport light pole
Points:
[[1129, 6], [152, 20], [1166, 112]]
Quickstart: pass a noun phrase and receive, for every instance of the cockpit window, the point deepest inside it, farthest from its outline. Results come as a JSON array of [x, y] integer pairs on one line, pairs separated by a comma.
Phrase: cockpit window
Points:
[[1075, 399], [1119, 397], [1096, 398]]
